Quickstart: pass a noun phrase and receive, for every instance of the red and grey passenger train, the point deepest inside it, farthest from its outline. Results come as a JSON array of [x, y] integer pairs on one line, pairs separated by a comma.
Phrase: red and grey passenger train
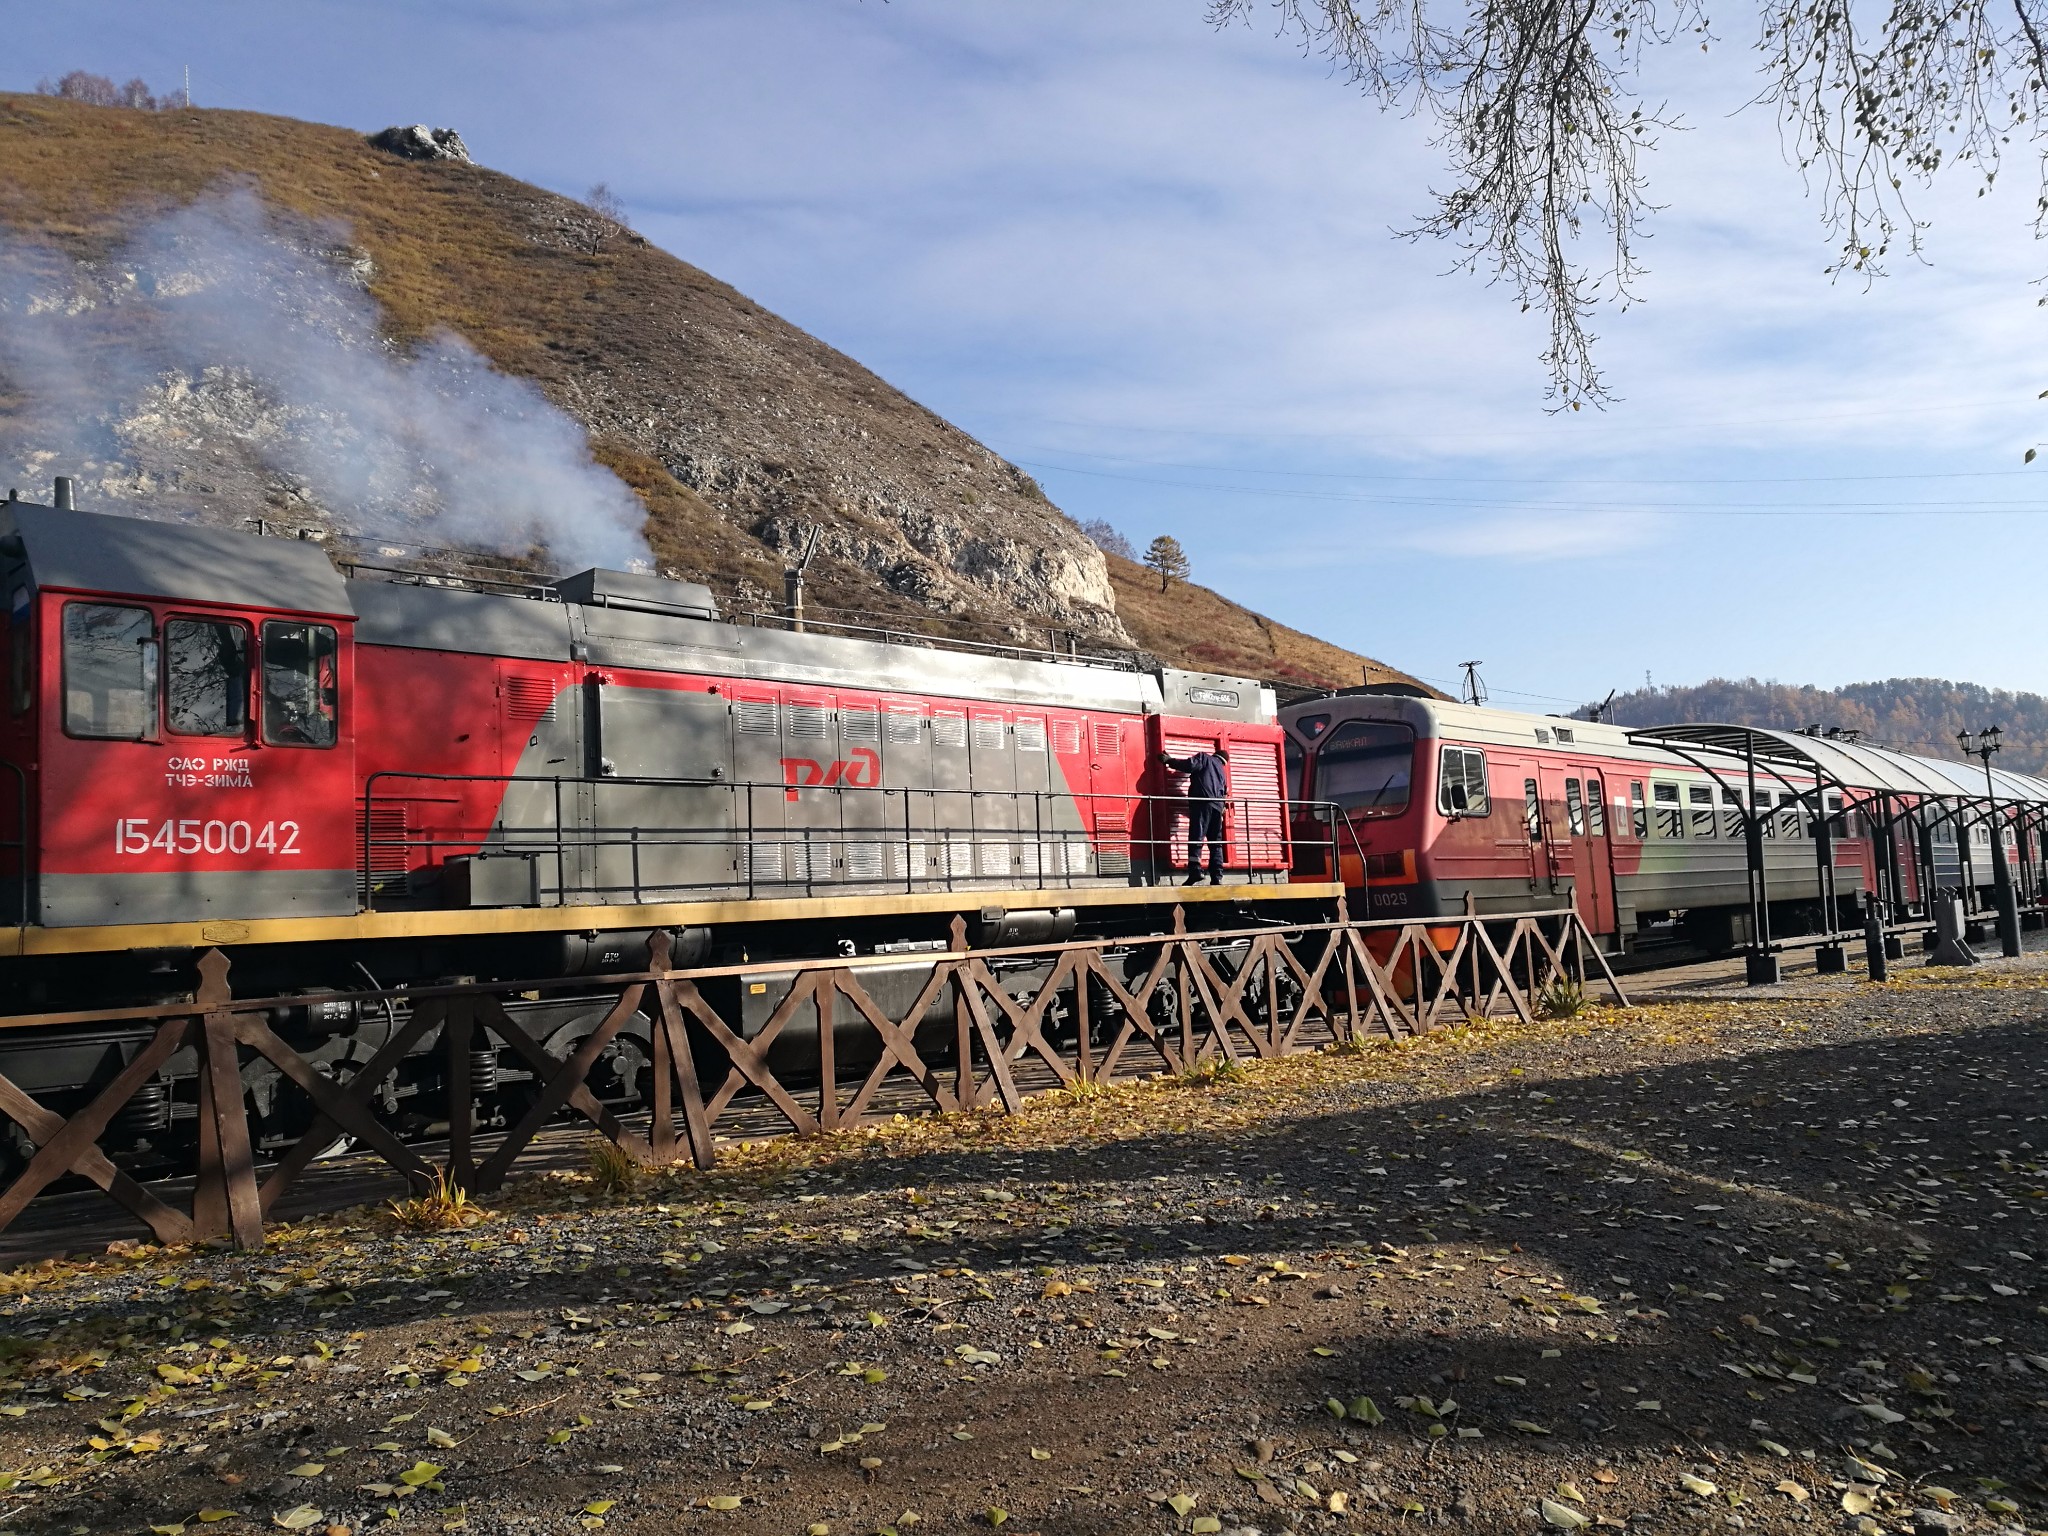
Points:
[[1443, 808], [215, 740]]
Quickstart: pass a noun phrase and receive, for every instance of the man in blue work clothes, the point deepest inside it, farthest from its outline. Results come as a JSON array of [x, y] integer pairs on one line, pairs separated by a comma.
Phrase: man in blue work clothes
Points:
[[1208, 783]]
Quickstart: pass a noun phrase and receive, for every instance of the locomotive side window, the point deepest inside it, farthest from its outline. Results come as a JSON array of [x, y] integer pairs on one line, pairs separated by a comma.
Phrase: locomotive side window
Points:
[[1295, 757], [1670, 819], [206, 677], [20, 651], [299, 684], [1313, 726], [1596, 808], [1701, 799], [1639, 813], [109, 672], [1364, 765], [1461, 782]]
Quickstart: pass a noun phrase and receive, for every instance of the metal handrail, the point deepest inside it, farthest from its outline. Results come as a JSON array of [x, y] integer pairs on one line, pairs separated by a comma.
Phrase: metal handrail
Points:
[[19, 846], [1247, 841]]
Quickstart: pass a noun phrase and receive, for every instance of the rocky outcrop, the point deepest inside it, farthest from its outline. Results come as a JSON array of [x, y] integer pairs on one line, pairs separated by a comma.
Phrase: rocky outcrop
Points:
[[419, 142]]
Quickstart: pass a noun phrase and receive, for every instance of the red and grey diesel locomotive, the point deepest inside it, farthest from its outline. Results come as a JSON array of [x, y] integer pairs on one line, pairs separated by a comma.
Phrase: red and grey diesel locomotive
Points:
[[1443, 808], [213, 739]]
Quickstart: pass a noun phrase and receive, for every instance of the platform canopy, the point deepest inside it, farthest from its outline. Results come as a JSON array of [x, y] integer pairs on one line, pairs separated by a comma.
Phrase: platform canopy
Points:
[[1854, 766]]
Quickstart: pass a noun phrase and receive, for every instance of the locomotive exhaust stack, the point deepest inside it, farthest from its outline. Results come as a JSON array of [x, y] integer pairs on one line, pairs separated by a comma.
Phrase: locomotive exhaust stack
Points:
[[62, 496]]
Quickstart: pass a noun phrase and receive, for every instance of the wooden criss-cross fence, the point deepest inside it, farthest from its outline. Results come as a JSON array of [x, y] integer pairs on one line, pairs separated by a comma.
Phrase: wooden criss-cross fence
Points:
[[1090, 1011]]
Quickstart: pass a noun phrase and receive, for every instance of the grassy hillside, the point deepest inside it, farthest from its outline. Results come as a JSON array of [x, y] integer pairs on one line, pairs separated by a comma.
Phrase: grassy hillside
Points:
[[734, 428], [1198, 628], [1913, 714]]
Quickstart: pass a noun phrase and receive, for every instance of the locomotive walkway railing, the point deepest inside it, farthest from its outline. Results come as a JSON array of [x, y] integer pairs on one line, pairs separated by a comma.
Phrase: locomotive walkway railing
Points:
[[986, 1028], [672, 838]]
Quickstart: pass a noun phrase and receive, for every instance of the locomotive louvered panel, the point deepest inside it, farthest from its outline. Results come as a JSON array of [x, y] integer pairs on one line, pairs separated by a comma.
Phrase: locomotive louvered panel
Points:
[[860, 725], [807, 721], [949, 728], [761, 862], [866, 862], [1260, 830], [388, 854], [903, 723], [1030, 734], [530, 698], [1078, 853], [758, 716], [1113, 842], [988, 732], [1172, 817], [960, 858], [1066, 737], [1109, 738]]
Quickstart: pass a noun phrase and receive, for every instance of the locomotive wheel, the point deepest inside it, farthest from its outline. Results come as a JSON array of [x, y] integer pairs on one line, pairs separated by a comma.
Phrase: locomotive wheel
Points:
[[621, 1077]]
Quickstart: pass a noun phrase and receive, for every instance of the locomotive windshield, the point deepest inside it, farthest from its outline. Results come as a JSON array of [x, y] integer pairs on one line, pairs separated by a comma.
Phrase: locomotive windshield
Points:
[[1365, 765]]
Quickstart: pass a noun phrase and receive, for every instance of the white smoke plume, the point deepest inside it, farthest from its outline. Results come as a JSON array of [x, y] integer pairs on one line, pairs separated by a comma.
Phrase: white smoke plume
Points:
[[223, 335]]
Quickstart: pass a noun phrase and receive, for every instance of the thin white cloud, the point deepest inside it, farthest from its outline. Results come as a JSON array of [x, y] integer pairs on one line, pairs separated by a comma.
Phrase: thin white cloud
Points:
[[1536, 536]]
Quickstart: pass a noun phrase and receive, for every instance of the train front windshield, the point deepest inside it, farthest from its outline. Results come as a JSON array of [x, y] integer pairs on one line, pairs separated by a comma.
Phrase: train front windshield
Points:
[[1365, 767]]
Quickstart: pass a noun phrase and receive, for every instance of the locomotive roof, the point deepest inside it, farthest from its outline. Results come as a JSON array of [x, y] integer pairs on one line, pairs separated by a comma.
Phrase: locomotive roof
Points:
[[179, 562]]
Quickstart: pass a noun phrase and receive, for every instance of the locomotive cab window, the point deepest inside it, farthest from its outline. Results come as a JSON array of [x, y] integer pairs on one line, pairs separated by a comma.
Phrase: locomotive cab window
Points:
[[206, 677], [1364, 766], [1461, 782], [110, 666], [1294, 758], [300, 664]]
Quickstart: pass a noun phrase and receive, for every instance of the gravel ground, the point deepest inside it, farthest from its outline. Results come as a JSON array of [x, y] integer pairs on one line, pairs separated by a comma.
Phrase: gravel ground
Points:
[[1761, 1265]]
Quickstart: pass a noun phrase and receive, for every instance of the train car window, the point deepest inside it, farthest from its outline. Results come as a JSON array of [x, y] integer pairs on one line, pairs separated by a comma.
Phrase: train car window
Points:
[[1461, 782], [1670, 819], [1574, 808], [1788, 819], [1532, 811], [1731, 813], [1596, 808], [21, 672], [206, 677], [1295, 757], [300, 686], [1639, 814], [1313, 726], [1701, 799], [1835, 823], [109, 672], [1365, 766]]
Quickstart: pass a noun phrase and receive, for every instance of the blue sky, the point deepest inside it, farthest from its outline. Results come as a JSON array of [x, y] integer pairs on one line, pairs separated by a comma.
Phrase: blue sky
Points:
[[1153, 263]]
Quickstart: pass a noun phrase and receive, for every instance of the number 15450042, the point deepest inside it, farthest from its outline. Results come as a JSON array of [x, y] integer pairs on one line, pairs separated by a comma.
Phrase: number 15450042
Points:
[[136, 836]]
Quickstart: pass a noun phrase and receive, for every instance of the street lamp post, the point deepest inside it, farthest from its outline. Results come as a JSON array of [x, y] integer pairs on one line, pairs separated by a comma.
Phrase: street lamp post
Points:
[[1984, 745]]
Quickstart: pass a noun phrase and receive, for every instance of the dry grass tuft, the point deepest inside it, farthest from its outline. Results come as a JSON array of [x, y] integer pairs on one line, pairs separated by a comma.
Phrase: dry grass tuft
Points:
[[446, 1207], [613, 1169]]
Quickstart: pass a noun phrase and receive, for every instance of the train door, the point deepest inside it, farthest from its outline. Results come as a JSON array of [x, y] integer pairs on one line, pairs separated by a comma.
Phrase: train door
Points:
[[1586, 823], [1112, 796], [666, 841], [952, 815], [994, 800]]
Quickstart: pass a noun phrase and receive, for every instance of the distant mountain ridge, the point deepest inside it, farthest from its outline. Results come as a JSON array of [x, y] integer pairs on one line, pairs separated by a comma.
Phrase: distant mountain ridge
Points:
[[1911, 714]]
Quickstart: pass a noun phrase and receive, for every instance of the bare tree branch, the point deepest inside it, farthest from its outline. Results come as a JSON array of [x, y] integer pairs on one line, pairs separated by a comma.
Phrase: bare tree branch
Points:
[[1535, 108]]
